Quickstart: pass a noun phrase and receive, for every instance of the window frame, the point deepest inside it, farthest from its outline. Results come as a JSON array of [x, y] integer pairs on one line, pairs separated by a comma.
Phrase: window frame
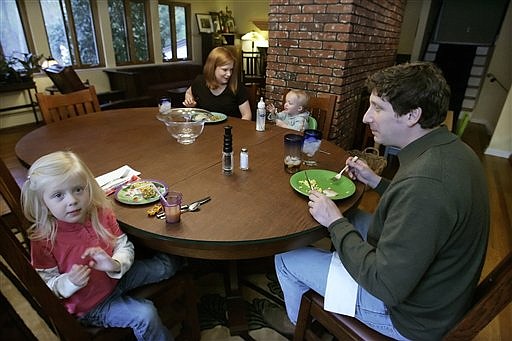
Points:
[[188, 27], [76, 59], [129, 32], [25, 24]]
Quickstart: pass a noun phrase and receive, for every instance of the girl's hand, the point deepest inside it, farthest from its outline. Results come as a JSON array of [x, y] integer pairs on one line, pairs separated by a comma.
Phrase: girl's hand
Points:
[[79, 275], [323, 209], [190, 101], [100, 260], [271, 108]]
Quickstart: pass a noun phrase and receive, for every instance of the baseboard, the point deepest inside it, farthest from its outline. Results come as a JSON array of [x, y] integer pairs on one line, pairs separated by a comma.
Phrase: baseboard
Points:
[[498, 152]]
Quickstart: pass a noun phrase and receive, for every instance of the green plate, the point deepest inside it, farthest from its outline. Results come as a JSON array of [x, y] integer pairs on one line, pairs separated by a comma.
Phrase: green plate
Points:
[[343, 187], [131, 194], [216, 118]]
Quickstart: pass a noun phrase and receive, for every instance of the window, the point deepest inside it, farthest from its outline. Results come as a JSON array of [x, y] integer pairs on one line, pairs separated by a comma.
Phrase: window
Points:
[[13, 40], [174, 30], [130, 27], [71, 30]]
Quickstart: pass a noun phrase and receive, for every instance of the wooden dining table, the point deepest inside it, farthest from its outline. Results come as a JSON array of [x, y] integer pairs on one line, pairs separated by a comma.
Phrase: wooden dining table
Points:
[[251, 214]]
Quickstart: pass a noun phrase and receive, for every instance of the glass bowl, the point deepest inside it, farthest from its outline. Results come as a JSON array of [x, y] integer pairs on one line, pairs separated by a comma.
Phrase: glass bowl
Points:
[[184, 123]]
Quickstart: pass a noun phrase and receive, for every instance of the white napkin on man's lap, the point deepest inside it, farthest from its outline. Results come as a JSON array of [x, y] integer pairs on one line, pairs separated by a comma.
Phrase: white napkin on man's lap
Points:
[[341, 289]]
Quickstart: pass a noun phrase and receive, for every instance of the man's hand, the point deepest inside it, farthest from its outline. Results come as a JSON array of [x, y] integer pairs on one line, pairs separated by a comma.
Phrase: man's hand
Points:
[[100, 260], [323, 209], [361, 171]]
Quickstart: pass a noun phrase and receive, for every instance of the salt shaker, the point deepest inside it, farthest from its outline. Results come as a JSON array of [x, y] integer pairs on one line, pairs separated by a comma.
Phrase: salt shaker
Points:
[[244, 159]]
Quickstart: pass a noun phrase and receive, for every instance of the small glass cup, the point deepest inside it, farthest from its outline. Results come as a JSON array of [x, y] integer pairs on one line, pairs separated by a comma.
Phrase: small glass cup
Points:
[[292, 149], [164, 105], [172, 207], [311, 144]]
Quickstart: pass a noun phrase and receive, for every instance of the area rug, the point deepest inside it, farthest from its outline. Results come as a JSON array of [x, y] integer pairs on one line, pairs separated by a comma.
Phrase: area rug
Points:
[[258, 291]]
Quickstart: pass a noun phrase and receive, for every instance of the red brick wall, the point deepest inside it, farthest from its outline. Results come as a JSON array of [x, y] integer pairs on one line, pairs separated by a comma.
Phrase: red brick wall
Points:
[[330, 46]]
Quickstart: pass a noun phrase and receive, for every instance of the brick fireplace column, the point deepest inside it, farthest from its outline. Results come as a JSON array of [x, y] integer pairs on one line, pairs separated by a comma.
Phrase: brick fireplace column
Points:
[[331, 46]]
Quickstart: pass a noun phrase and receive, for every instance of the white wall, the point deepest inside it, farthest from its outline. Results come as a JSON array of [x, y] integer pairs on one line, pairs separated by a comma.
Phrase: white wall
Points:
[[492, 97]]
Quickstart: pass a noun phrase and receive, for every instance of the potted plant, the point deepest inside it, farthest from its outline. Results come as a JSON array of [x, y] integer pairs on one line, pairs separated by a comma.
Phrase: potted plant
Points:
[[10, 70]]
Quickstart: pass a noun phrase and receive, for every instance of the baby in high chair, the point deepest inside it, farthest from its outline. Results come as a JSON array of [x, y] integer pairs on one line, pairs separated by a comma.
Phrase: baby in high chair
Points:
[[294, 115]]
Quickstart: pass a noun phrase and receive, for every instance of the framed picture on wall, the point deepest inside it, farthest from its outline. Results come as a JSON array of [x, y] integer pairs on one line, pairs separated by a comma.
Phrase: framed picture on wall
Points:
[[216, 22], [204, 23]]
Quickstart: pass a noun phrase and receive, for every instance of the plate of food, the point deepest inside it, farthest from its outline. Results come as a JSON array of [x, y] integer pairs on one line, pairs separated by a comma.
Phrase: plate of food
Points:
[[140, 192], [212, 117], [321, 180]]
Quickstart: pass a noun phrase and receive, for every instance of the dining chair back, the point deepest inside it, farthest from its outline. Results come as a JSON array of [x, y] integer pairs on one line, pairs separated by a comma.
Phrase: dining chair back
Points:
[[59, 107], [492, 295], [177, 290], [322, 108], [11, 194]]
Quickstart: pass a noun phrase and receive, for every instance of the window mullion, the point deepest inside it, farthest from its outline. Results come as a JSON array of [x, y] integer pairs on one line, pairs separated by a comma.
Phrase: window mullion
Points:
[[71, 29], [129, 31]]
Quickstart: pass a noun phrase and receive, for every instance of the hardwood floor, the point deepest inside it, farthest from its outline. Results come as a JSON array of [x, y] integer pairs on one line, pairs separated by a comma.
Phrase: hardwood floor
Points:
[[498, 172]]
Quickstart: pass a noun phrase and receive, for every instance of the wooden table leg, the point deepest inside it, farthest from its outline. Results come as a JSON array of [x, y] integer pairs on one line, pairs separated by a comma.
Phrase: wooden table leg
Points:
[[236, 312]]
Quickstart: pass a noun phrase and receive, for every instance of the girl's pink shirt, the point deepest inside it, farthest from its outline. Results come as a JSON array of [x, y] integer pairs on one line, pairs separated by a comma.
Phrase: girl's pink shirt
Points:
[[70, 243]]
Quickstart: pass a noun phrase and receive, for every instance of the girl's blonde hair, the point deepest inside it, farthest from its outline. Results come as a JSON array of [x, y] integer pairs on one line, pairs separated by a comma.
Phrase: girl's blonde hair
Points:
[[53, 169], [220, 56]]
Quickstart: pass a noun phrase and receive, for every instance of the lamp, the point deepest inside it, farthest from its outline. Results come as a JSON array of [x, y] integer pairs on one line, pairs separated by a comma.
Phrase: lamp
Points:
[[255, 37], [49, 62]]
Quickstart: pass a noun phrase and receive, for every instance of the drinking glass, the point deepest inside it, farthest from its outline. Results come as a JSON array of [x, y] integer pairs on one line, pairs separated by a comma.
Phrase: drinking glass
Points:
[[172, 207], [292, 148], [311, 144]]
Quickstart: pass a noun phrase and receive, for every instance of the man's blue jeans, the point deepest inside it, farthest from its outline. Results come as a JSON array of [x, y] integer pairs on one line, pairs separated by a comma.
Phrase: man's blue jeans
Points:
[[307, 268], [119, 310]]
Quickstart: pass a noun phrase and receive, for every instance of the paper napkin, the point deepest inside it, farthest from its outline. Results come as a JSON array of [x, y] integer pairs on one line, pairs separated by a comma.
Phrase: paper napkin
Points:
[[341, 290], [116, 177]]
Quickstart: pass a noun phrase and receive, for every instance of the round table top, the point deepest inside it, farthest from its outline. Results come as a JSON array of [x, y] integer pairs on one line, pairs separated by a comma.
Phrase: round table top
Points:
[[252, 213]]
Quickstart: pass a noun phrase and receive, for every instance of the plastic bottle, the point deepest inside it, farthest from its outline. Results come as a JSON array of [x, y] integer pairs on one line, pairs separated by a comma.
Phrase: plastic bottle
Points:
[[244, 159], [261, 115], [227, 152]]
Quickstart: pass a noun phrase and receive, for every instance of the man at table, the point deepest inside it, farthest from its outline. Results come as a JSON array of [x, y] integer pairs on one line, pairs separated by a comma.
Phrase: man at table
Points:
[[415, 263]]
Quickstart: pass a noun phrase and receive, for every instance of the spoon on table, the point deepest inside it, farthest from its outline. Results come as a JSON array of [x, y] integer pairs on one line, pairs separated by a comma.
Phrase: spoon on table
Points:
[[190, 208]]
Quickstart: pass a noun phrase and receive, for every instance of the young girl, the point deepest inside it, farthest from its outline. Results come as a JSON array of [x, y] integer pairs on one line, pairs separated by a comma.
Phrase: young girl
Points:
[[294, 116], [81, 253]]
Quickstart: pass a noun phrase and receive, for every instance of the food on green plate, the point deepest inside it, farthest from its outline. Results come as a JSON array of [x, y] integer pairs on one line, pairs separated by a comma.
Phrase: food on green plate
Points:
[[329, 192], [206, 117], [314, 186], [144, 189]]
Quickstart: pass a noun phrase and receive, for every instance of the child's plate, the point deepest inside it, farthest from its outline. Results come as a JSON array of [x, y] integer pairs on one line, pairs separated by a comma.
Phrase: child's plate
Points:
[[140, 192]]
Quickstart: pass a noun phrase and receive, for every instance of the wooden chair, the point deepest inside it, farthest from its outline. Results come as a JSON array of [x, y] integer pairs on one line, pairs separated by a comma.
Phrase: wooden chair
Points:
[[492, 295], [322, 109], [178, 290], [59, 107], [11, 193]]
